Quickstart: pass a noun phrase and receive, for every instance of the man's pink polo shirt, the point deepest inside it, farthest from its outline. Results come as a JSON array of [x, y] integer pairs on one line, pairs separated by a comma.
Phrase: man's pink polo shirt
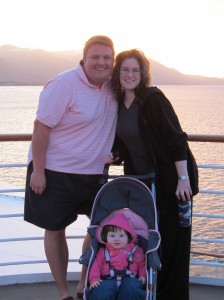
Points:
[[82, 119]]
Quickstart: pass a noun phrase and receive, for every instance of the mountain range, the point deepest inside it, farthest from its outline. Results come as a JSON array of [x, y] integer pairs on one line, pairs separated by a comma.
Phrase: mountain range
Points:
[[23, 66]]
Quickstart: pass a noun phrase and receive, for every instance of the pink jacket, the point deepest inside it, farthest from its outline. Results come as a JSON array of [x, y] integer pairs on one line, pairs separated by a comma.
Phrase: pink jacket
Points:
[[118, 258]]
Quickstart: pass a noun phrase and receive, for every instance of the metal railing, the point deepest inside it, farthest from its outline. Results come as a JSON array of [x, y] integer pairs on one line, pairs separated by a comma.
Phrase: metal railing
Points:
[[192, 138]]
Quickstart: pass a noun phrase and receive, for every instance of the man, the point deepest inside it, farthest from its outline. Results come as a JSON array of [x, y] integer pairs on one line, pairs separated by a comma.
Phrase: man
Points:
[[73, 132]]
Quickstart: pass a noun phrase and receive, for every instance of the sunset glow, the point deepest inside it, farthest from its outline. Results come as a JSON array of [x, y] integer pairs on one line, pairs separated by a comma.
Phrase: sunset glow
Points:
[[184, 35]]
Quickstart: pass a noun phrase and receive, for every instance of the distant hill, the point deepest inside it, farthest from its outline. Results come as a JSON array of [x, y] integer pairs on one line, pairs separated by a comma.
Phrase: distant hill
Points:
[[23, 66]]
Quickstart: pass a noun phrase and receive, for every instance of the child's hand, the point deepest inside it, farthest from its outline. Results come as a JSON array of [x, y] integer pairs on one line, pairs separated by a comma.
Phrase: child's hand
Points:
[[110, 158], [95, 284], [142, 279]]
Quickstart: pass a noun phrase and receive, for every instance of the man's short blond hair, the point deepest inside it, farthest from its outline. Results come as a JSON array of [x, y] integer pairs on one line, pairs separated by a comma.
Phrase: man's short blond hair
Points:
[[98, 39]]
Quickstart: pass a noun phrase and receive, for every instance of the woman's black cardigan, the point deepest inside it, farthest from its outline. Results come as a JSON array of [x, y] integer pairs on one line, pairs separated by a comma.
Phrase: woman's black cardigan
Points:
[[165, 142]]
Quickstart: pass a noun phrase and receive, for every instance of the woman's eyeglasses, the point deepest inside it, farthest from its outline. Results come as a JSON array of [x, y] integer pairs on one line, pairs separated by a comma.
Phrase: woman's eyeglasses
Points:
[[134, 71]]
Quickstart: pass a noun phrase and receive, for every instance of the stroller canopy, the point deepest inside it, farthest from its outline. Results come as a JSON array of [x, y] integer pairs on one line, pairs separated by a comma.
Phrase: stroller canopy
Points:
[[125, 192]]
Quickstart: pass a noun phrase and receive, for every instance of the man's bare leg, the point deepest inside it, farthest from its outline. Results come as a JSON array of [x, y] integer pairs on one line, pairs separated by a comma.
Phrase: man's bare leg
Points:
[[81, 284], [56, 250]]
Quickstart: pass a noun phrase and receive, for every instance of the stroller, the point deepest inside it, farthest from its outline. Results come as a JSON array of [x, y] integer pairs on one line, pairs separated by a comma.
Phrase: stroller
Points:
[[134, 199]]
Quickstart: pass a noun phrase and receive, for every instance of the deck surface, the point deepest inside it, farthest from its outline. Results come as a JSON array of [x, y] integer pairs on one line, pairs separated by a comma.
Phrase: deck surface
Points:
[[47, 291]]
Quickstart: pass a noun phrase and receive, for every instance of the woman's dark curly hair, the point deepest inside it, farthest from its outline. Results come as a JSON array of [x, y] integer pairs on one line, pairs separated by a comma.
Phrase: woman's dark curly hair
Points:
[[144, 69]]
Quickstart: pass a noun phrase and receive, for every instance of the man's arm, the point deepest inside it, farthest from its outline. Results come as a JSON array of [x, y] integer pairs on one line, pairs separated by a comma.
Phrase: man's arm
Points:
[[40, 141]]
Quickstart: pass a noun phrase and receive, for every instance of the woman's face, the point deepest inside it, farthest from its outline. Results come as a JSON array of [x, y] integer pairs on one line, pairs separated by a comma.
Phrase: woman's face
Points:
[[130, 74]]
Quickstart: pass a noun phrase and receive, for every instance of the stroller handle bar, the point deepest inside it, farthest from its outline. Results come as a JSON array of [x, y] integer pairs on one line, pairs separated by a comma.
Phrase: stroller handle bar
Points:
[[149, 176]]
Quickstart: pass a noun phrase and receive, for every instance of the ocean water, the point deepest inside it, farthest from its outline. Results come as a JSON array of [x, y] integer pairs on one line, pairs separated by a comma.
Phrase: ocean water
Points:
[[200, 110]]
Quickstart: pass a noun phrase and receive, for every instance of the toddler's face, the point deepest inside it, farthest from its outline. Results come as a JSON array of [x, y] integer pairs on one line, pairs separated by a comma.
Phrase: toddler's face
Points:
[[118, 239]]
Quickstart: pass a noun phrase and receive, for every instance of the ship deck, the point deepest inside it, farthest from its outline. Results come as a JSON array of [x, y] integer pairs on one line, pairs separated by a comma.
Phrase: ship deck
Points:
[[47, 290]]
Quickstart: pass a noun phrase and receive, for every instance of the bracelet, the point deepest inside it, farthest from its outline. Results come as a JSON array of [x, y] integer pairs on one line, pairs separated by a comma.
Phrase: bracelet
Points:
[[183, 178]]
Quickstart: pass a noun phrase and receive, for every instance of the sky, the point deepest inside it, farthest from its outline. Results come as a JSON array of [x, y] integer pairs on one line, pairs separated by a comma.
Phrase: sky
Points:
[[187, 35]]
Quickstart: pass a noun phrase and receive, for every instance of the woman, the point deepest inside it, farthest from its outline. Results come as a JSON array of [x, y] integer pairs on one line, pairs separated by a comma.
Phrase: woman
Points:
[[149, 138]]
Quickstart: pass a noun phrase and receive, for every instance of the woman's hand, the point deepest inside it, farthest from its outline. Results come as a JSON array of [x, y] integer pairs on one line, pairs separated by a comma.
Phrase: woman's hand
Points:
[[183, 191], [111, 158]]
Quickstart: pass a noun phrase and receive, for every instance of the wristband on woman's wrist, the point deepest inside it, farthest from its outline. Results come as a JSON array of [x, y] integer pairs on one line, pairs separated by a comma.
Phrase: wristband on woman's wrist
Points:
[[183, 178]]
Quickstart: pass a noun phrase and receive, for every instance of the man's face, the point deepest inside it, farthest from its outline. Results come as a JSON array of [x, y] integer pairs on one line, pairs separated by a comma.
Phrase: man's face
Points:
[[98, 64]]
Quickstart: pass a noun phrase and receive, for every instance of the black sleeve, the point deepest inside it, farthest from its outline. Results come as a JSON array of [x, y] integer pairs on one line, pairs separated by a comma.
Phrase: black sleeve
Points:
[[166, 125]]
